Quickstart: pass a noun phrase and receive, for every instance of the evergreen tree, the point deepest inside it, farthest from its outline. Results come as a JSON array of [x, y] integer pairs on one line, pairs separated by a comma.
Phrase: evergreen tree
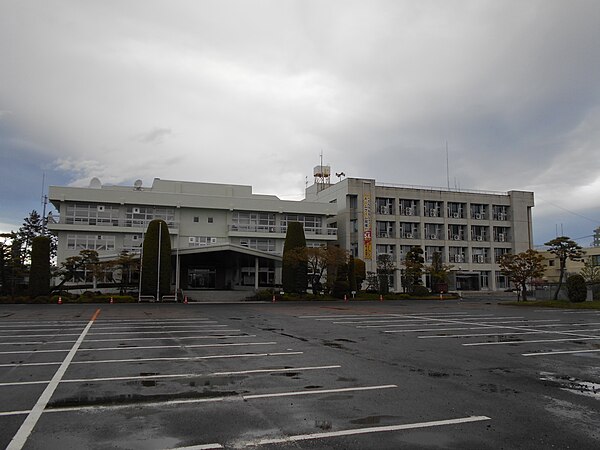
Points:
[[294, 271], [385, 267], [352, 274], [413, 271], [360, 272], [31, 228], [150, 263], [39, 273], [564, 248]]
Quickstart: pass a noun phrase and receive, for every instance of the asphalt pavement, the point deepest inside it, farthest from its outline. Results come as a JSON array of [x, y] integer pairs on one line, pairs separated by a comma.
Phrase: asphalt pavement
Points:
[[310, 375]]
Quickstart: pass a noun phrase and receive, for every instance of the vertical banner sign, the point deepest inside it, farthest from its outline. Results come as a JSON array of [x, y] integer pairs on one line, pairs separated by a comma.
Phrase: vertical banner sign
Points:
[[367, 231]]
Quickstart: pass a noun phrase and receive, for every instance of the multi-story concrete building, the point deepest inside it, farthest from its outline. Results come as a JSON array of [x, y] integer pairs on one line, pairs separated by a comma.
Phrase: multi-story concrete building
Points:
[[222, 236], [470, 229]]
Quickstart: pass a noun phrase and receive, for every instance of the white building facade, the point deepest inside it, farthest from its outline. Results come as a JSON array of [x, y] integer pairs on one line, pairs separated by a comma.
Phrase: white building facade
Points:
[[470, 229], [222, 236]]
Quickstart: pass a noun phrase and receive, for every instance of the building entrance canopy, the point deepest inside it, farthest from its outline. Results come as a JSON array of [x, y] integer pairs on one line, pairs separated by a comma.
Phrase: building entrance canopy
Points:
[[226, 266]]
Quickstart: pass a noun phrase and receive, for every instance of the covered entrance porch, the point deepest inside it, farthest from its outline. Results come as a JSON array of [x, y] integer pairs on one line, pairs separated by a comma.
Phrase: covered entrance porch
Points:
[[228, 266]]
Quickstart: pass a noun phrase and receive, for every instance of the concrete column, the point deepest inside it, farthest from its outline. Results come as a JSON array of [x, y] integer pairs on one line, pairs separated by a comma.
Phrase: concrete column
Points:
[[256, 273]]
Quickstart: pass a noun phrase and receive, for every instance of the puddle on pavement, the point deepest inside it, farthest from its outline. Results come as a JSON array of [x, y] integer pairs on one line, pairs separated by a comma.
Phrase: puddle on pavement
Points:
[[572, 384]]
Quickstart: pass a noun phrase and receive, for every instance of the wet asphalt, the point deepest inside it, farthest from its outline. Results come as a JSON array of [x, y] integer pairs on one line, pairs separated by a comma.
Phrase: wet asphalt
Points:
[[385, 375]]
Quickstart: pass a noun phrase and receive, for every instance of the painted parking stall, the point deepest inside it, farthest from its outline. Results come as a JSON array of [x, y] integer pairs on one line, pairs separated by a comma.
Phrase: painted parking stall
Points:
[[111, 365]]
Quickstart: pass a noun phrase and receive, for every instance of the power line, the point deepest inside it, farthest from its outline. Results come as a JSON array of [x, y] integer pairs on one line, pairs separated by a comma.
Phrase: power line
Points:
[[569, 211]]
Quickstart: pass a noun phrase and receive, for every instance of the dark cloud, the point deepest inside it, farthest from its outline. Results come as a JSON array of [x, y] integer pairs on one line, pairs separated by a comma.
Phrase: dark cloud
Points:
[[256, 90]]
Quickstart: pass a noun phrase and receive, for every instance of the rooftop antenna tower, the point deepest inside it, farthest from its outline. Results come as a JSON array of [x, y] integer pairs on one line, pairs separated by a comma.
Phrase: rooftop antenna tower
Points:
[[322, 175]]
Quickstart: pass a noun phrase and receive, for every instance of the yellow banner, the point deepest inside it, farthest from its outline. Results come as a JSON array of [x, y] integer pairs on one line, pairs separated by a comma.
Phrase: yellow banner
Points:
[[367, 227]]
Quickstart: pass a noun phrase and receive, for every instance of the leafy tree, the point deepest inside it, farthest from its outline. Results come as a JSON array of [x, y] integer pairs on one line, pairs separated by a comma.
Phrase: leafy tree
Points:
[[385, 267], [439, 272], [413, 270], [590, 272], [360, 272], [151, 284], [127, 263], [576, 289], [294, 269], [522, 267], [372, 282], [318, 260], [564, 248], [39, 273]]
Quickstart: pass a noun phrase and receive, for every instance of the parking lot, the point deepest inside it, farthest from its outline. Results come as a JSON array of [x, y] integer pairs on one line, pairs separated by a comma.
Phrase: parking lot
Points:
[[387, 375]]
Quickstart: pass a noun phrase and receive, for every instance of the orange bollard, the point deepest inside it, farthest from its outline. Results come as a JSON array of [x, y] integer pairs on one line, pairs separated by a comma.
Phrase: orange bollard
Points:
[[111, 300], [59, 300], [273, 298], [380, 297], [185, 300]]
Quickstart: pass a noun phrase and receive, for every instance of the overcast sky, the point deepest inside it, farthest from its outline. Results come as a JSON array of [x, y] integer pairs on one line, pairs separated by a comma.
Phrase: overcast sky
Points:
[[251, 92]]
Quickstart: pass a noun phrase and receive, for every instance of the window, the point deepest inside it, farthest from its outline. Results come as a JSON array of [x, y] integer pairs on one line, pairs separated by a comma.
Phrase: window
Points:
[[551, 262], [384, 205], [96, 242], [141, 216], [196, 219], [352, 201], [265, 245], [92, 214], [312, 224], [210, 220]]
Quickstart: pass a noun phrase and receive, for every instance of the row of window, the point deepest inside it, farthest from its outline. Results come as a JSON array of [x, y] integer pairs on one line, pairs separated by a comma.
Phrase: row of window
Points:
[[98, 214], [452, 254], [96, 242], [436, 231], [435, 208]]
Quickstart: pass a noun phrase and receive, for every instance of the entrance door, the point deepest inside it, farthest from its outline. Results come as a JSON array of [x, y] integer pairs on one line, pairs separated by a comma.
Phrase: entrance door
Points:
[[202, 278]]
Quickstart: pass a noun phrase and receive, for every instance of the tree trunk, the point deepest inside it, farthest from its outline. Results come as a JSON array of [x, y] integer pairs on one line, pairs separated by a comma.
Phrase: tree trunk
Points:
[[560, 278], [524, 290]]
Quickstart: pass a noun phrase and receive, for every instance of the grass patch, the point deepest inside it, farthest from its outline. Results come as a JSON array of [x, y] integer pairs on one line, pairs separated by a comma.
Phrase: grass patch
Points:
[[561, 304]]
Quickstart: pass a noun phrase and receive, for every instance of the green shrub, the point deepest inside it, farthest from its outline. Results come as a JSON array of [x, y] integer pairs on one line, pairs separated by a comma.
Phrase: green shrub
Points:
[[420, 291], [576, 289], [150, 275], [340, 288]]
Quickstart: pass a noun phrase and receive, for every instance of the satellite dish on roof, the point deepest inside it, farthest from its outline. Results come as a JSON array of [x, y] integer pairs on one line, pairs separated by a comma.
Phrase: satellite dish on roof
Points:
[[95, 183], [137, 185]]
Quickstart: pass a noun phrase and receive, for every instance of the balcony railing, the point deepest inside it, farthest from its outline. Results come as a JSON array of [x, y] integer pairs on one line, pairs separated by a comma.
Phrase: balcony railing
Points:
[[107, 222], [280, 229]]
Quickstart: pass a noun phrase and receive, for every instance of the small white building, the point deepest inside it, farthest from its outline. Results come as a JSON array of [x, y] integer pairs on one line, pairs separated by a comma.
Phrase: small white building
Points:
[[222, 235], [470, 229]]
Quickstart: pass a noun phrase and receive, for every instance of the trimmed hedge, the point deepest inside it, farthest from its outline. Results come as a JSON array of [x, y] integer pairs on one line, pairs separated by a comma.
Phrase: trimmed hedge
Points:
[[576, 289]]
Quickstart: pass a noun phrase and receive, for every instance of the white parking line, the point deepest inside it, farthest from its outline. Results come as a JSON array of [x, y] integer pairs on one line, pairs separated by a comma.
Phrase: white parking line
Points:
[[166, 403], [127, 339], [20, 438], [501, 333], [443, 324], [534, 341], [199, 447], [561, 352], [355, 431]]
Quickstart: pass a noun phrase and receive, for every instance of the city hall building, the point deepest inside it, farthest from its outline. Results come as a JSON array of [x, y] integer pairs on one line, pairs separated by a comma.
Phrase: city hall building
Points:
[[222, 236], [226, 237], [470, 229]]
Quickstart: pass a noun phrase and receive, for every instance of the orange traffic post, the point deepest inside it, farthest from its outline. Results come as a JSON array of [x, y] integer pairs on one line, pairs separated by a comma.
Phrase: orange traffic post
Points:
[[59, 300], [380, 297], [185, 300]]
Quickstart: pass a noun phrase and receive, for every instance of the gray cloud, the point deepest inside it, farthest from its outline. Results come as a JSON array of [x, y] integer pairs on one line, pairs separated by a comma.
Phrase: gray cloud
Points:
[[154, 136], [256, 90]]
